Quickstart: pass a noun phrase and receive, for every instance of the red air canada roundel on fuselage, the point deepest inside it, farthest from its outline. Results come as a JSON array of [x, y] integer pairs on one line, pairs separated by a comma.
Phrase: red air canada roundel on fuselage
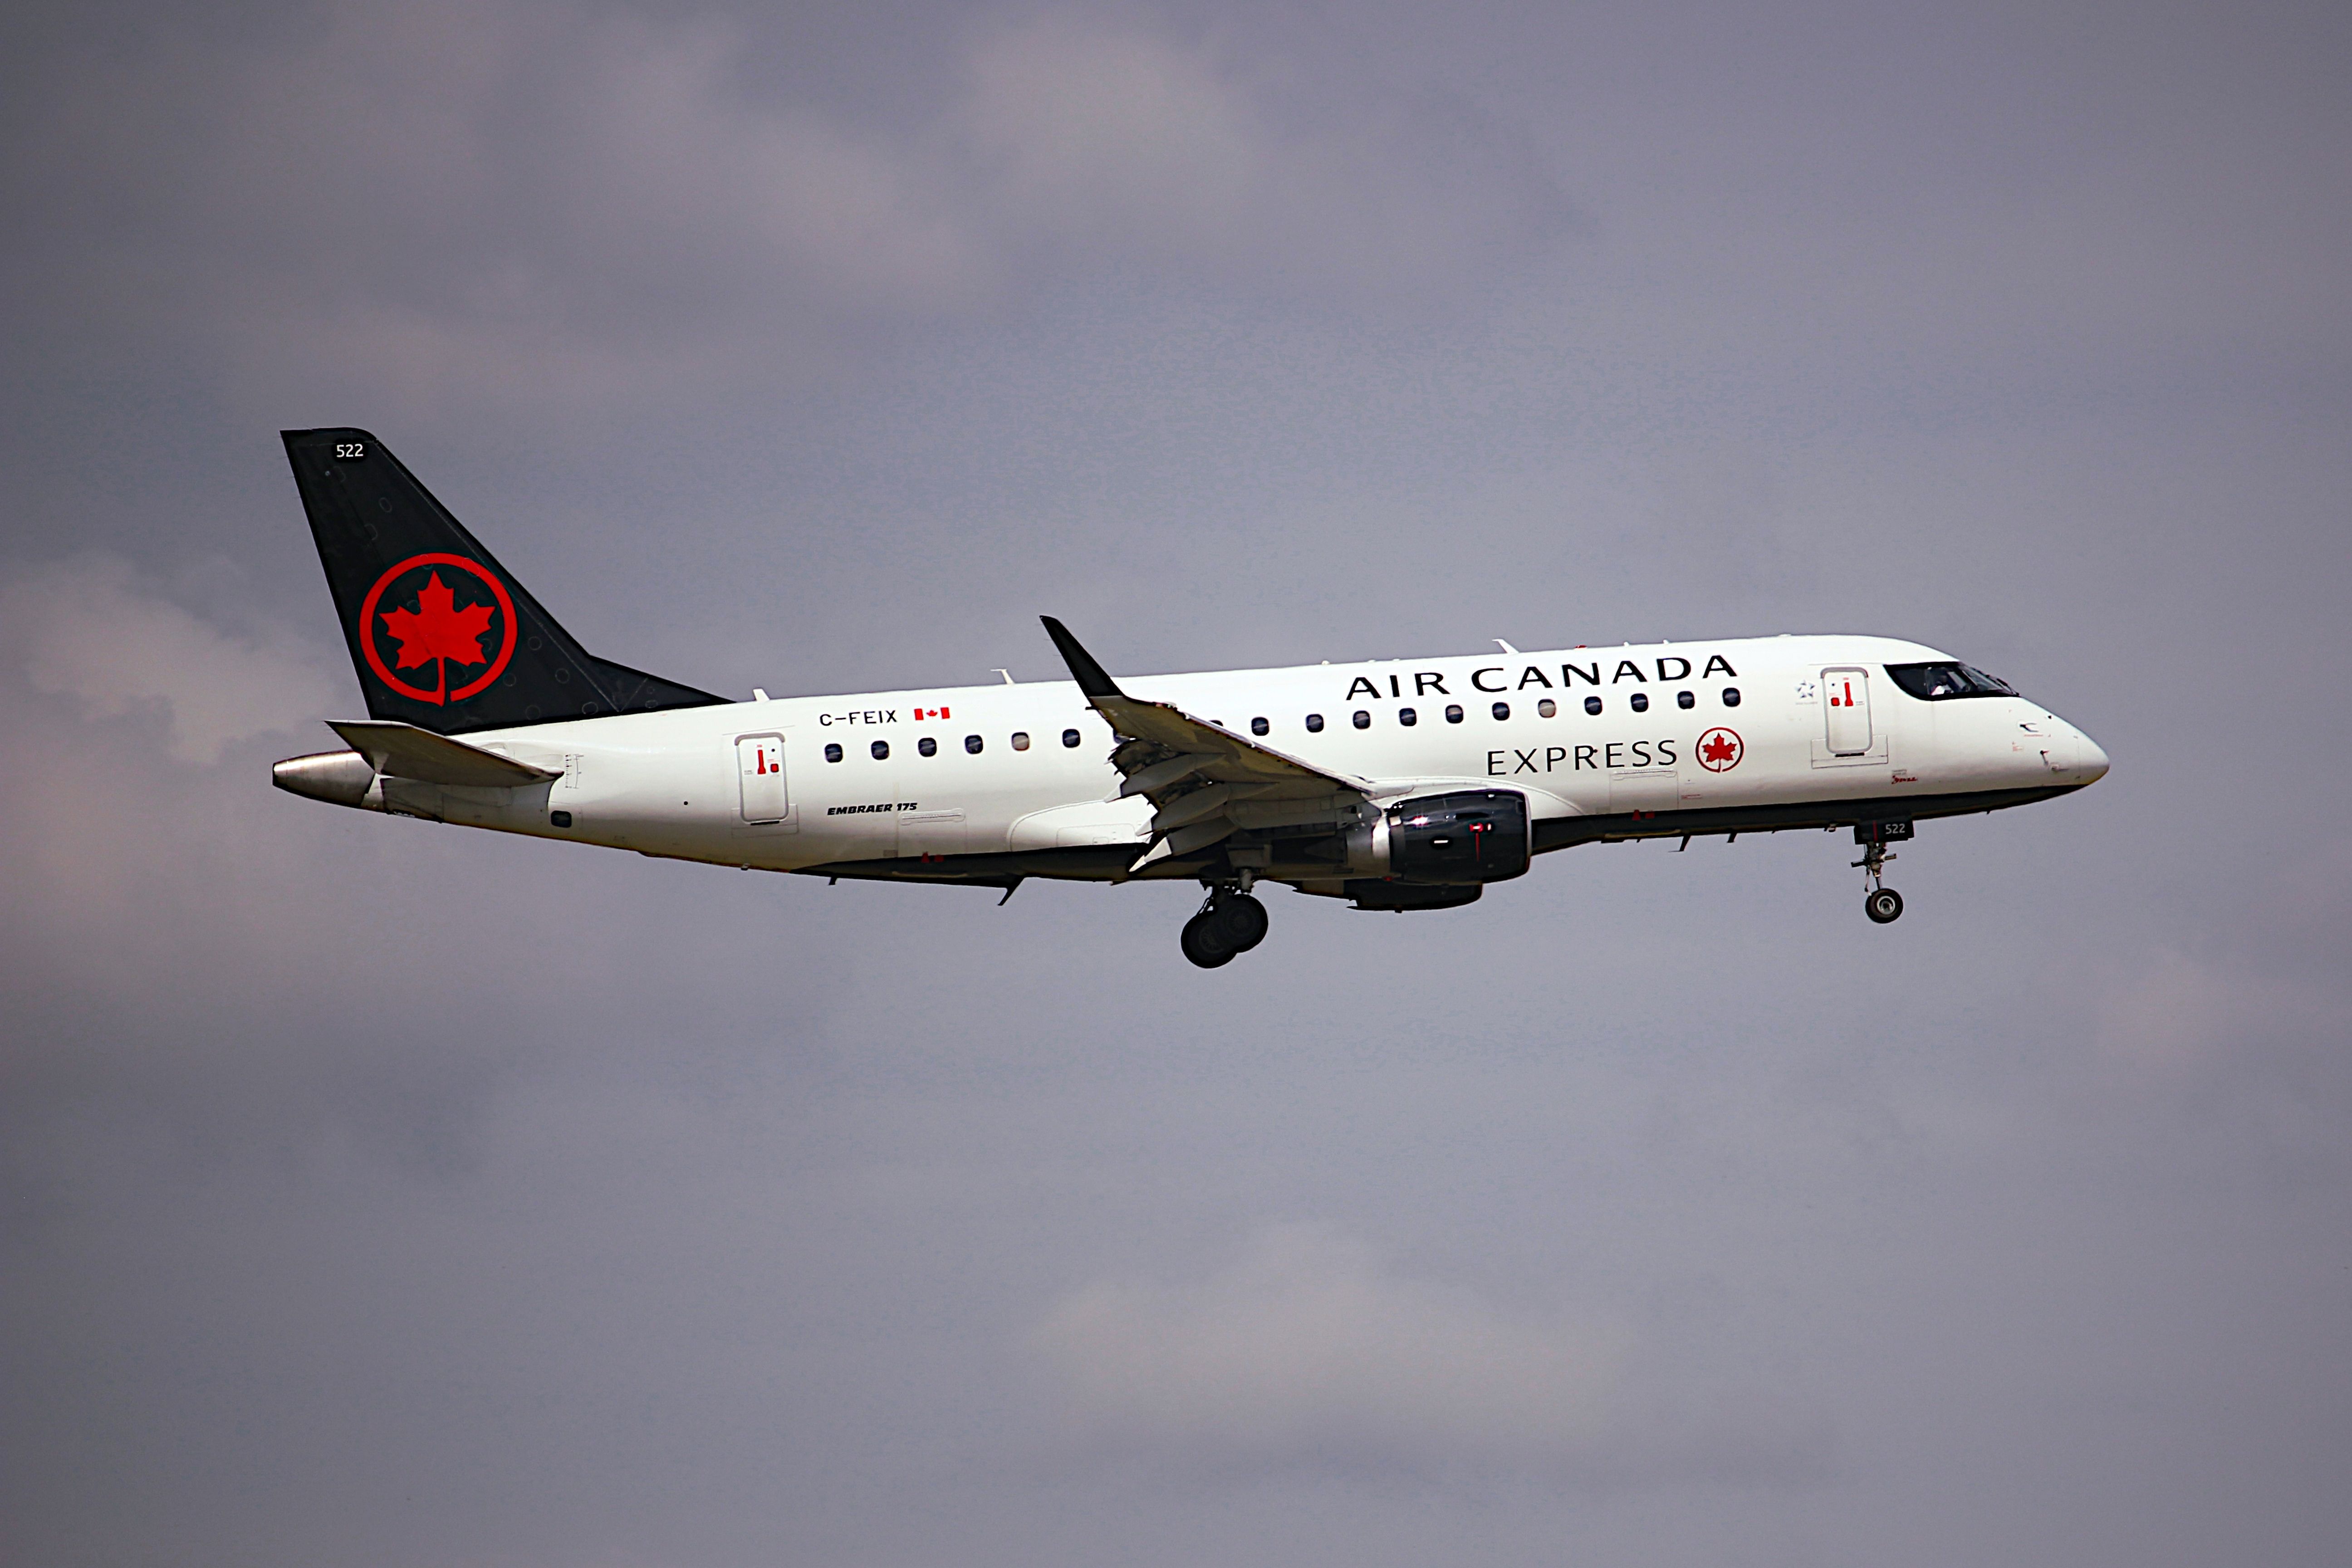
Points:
[[1720, 750], [436, 612]]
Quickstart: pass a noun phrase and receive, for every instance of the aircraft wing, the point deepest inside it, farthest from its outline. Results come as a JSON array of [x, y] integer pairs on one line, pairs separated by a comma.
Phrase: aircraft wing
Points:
[[1205, 781]]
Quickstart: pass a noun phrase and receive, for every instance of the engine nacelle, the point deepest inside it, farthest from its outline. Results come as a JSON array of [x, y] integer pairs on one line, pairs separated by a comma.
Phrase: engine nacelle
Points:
[[1370, 893], [1467, 837]]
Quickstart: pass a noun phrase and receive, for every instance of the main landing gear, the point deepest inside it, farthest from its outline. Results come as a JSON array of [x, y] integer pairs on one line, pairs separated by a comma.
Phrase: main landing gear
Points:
[[1882, 905], [1229, 924]]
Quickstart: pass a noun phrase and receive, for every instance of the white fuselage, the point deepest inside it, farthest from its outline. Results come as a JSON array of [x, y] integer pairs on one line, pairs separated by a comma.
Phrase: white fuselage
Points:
[[700, 783]]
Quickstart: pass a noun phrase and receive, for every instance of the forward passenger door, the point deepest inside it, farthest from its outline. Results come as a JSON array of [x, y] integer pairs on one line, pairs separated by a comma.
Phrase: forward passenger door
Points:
[[1846, 704]]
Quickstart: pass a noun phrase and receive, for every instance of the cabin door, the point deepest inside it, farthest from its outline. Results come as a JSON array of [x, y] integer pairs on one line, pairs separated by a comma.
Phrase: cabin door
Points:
[[1846, 703], [760, 759]]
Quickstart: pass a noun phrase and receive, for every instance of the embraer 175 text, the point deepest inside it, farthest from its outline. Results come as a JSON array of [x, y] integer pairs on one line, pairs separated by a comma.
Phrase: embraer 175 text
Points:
[[1396, 784]]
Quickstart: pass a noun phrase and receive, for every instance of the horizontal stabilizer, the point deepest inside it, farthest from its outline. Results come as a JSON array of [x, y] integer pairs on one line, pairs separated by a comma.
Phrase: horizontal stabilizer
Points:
[[406, 752]]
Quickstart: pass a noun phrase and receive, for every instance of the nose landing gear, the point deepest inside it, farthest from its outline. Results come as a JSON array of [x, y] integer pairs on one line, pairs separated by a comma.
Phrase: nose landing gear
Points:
[[1230, 923], [1882, 905]]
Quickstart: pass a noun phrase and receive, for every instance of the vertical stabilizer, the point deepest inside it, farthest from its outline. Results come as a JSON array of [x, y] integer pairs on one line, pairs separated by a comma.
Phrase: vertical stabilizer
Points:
[[442, 635]]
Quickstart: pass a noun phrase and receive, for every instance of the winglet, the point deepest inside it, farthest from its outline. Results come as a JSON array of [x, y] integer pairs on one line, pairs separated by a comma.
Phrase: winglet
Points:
[[1092, 679]]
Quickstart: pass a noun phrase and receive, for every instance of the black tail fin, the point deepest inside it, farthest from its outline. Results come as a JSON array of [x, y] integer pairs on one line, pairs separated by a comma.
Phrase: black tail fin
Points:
[[442, 635]]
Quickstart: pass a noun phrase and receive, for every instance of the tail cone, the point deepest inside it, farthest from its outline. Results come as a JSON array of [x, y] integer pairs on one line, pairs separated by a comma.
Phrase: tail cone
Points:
[[338, 778]]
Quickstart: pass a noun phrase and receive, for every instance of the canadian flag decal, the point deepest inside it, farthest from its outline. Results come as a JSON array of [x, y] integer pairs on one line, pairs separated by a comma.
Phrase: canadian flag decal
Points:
[[930, 712]]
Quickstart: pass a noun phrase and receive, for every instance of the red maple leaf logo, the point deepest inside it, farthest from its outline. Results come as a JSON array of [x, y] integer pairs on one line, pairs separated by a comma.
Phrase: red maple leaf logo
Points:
[[1718, 750], [437, 629], [436, 632]]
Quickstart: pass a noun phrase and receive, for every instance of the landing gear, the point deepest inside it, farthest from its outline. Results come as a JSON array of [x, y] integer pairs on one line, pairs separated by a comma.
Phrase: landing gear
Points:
[[1229, 924], [1882, 905], [1202, 946]]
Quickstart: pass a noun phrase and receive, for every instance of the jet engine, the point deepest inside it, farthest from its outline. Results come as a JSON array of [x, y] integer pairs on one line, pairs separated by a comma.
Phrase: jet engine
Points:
[[1434, 851], [1469, 836]]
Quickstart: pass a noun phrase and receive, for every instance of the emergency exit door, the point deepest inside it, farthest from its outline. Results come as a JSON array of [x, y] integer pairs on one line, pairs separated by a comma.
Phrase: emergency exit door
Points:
[[761, 760], [1845, 697]]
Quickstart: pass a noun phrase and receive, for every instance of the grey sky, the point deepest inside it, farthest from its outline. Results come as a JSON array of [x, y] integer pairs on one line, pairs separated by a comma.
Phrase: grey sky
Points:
[[382, 1193]]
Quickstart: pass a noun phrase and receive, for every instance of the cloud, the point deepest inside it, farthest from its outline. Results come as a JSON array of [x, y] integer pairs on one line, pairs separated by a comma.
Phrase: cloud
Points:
[[517, 197], [2168, 1015], [1128, 142], [86, 628], [2171, 1014], [1308, 1354], [1120, 134], [1307, 1349]]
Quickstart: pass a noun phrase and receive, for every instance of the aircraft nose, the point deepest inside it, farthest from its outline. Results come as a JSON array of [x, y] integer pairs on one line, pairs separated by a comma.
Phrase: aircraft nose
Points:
[[2090, 760]]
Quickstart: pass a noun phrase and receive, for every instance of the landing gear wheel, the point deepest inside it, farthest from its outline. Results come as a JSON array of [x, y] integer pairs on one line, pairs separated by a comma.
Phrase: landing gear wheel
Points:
[[1204, 943], [1882, 905], [1241, 921], [1228, 925]]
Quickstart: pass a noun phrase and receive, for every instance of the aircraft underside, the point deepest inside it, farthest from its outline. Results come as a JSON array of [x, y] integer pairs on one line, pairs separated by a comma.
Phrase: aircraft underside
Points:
[[1230, 870], [1109, 863]]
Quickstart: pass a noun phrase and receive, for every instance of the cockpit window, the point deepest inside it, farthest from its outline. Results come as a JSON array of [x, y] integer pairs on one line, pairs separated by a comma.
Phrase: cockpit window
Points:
[[1940, 682]]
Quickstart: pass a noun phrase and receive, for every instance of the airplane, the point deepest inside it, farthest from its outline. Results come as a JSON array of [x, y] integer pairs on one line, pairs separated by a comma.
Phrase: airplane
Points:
[[1392, 785]]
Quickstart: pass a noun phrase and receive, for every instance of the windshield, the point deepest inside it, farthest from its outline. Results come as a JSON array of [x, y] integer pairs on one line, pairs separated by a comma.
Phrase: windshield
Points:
[[1936, 682]]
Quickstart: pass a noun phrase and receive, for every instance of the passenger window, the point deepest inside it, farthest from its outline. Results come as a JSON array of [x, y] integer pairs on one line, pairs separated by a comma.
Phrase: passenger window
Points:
[[1685, 699], [833, 752], [1315, 723], [972, 743], [1259, 726], [1069, 737], [1020, 740], [881, 751], [1453, 713], [927, 746], [1546, 707], [1408, 718], [1364, 721], [1640, 700], [1732, 697], [1592, 705], [1502, 710]]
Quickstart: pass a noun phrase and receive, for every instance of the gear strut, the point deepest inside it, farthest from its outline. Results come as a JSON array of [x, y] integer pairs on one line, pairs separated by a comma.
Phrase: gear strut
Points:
[[1882, 904]]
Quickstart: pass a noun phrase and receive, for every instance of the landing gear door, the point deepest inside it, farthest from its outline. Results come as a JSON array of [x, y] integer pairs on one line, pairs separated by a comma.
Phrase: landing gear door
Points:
[[1846, 703], [759, 762]]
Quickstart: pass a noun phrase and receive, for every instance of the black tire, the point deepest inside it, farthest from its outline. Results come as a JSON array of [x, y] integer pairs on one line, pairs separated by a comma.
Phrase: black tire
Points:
[[1202, 944], [1241, 923], [1883, 905]]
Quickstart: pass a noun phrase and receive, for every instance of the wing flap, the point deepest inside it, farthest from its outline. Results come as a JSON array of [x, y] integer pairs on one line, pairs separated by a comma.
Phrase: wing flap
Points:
[[1205, 782], [1213, 754]]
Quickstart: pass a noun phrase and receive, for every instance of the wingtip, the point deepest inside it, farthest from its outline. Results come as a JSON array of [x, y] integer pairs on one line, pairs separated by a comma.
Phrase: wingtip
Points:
[[1092, 679]]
